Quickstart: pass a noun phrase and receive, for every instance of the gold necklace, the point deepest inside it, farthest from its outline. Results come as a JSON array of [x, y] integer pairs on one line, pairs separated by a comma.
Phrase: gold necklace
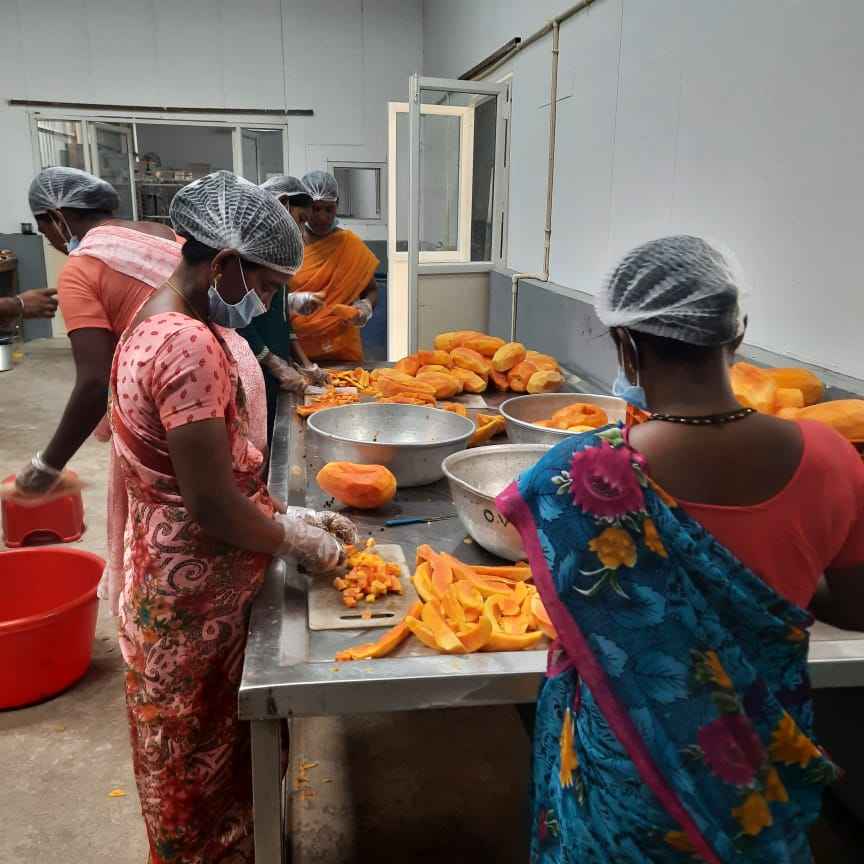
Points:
[[184, 298]]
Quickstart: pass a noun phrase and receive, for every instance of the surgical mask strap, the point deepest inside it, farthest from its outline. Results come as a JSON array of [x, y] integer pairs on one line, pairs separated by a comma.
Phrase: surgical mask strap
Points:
[[623, 365]]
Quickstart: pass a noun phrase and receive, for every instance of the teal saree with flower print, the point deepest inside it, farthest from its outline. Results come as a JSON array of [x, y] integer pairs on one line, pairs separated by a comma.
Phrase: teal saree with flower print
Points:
[[675, 722]]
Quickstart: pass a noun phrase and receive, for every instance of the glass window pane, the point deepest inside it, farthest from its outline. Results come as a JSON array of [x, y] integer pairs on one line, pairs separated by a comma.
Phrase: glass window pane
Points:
[[170, 156], [113, 144], [60, 143], [359, 191], [440, 136], [485, 117], [262, 154]]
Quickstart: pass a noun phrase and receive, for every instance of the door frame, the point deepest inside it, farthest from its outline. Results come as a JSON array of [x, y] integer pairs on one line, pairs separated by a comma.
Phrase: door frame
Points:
[[465, 114], [416, 85]]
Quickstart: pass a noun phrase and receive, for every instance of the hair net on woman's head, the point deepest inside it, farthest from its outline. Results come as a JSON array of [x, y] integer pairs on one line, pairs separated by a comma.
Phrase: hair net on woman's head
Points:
[[58, 187], [284, 186], [677, 287], [224, 211], [322, 186]]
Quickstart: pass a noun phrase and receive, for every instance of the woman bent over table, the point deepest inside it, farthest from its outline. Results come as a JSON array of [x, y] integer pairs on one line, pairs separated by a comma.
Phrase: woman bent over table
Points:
[[201, 527], [676, 562]]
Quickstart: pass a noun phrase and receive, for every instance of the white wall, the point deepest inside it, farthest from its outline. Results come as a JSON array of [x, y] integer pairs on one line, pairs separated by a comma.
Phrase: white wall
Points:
[[738, 121], [345, 59]]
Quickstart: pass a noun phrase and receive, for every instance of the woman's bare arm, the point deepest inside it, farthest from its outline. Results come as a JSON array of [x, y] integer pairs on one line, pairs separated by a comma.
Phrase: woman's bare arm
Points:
[[201, 456], [839, 598]]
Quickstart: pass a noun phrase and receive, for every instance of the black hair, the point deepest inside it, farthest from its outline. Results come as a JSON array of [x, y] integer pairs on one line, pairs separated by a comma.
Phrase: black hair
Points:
[[80, 212], [674, 350], [300, 201], [196, 252]]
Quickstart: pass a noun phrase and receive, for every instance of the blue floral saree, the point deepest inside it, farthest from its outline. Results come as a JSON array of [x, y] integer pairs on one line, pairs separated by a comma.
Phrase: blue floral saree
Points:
[[675, 723]]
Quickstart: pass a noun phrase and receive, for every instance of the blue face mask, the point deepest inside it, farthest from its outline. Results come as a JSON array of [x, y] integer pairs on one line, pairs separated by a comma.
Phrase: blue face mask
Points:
[[633, 394], [236, 316], [72, 243]]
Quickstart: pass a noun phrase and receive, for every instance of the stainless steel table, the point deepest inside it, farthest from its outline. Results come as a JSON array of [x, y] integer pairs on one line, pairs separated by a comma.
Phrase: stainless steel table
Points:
[[290, 671]]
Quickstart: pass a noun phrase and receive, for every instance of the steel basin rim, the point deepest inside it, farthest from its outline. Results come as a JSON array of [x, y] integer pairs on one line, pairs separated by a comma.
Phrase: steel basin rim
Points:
[[447, 442], [465, 455]]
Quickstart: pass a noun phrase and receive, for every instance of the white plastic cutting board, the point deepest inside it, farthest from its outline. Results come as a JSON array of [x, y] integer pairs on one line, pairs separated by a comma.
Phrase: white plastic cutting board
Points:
[[328, 612]]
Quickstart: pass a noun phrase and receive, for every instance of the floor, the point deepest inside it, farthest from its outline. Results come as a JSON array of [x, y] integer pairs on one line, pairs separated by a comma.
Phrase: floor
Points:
[[458, 794], [65, 757]]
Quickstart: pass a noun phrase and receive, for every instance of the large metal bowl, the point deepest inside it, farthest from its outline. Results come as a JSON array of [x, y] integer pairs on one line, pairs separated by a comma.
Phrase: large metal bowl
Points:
[[476, 477], [411, 440], [523, 412]]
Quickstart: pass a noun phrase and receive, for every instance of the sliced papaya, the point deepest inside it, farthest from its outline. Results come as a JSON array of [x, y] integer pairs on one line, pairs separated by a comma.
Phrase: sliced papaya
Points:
[[515, 573], [442, 571], [521, 592], [422, 632], [512, 642], [468, 595], [452, 608], [386, 643], [488, 587], [541, 617], [445, 638], [516, 625], [460, 569], [477, 636], [422, 580]]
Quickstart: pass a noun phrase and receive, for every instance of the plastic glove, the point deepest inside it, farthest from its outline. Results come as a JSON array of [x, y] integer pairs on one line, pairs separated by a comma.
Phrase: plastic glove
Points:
[[288, 377], [335, 523], [304, 302], [314, 548], [364, 312], [37, 478], [314, 375]]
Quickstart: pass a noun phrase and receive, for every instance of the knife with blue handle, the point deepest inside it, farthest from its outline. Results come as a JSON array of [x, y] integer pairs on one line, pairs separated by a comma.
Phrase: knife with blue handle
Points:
[[416, 520]]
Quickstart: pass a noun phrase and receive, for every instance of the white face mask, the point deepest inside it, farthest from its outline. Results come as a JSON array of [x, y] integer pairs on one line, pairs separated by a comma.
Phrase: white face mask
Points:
[[238, 315]]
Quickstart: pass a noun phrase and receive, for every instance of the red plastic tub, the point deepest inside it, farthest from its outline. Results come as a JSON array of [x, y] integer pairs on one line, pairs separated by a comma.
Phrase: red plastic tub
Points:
[[48, 609]]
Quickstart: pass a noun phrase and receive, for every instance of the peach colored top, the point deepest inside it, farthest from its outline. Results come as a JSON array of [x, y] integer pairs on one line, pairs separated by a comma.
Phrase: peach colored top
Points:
[[815, 523]]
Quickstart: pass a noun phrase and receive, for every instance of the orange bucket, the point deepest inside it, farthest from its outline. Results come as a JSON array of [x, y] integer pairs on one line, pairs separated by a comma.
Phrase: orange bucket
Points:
[[48, 608]]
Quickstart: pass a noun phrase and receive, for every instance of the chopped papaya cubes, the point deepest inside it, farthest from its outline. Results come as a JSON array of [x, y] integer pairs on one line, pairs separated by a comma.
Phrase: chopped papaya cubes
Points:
[[368, 576]]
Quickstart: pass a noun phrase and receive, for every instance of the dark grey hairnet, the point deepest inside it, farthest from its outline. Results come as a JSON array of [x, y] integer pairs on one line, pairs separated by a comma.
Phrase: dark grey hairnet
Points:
[[678, 287], [224, 211], [58, 187]]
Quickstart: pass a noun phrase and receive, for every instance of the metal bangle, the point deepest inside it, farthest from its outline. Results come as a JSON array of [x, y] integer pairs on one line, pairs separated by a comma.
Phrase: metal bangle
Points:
[[41, 465]]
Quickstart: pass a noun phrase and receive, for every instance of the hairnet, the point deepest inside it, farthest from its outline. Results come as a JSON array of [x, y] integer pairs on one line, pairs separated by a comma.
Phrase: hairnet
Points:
[[678, 287], [322, 186], [58, 187], [224, 211], [284, 186]]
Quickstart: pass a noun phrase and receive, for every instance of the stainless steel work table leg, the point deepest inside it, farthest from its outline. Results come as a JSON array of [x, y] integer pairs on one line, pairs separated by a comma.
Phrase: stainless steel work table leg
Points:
[[267, 790]]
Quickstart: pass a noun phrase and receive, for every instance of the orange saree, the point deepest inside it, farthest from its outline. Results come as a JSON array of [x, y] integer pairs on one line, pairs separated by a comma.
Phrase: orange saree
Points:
[[341, 266]]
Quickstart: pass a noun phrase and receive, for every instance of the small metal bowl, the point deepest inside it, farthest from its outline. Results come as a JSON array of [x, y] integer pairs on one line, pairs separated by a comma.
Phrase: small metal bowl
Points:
[[411, 440], [476, 477], [523, 412]]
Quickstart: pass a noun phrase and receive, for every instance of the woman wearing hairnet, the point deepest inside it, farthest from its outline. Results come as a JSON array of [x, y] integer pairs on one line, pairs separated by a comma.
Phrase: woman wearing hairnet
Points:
[[114, 266], [201, 526], [270, 335], [676, 563], [108, 276], [338, 264]]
